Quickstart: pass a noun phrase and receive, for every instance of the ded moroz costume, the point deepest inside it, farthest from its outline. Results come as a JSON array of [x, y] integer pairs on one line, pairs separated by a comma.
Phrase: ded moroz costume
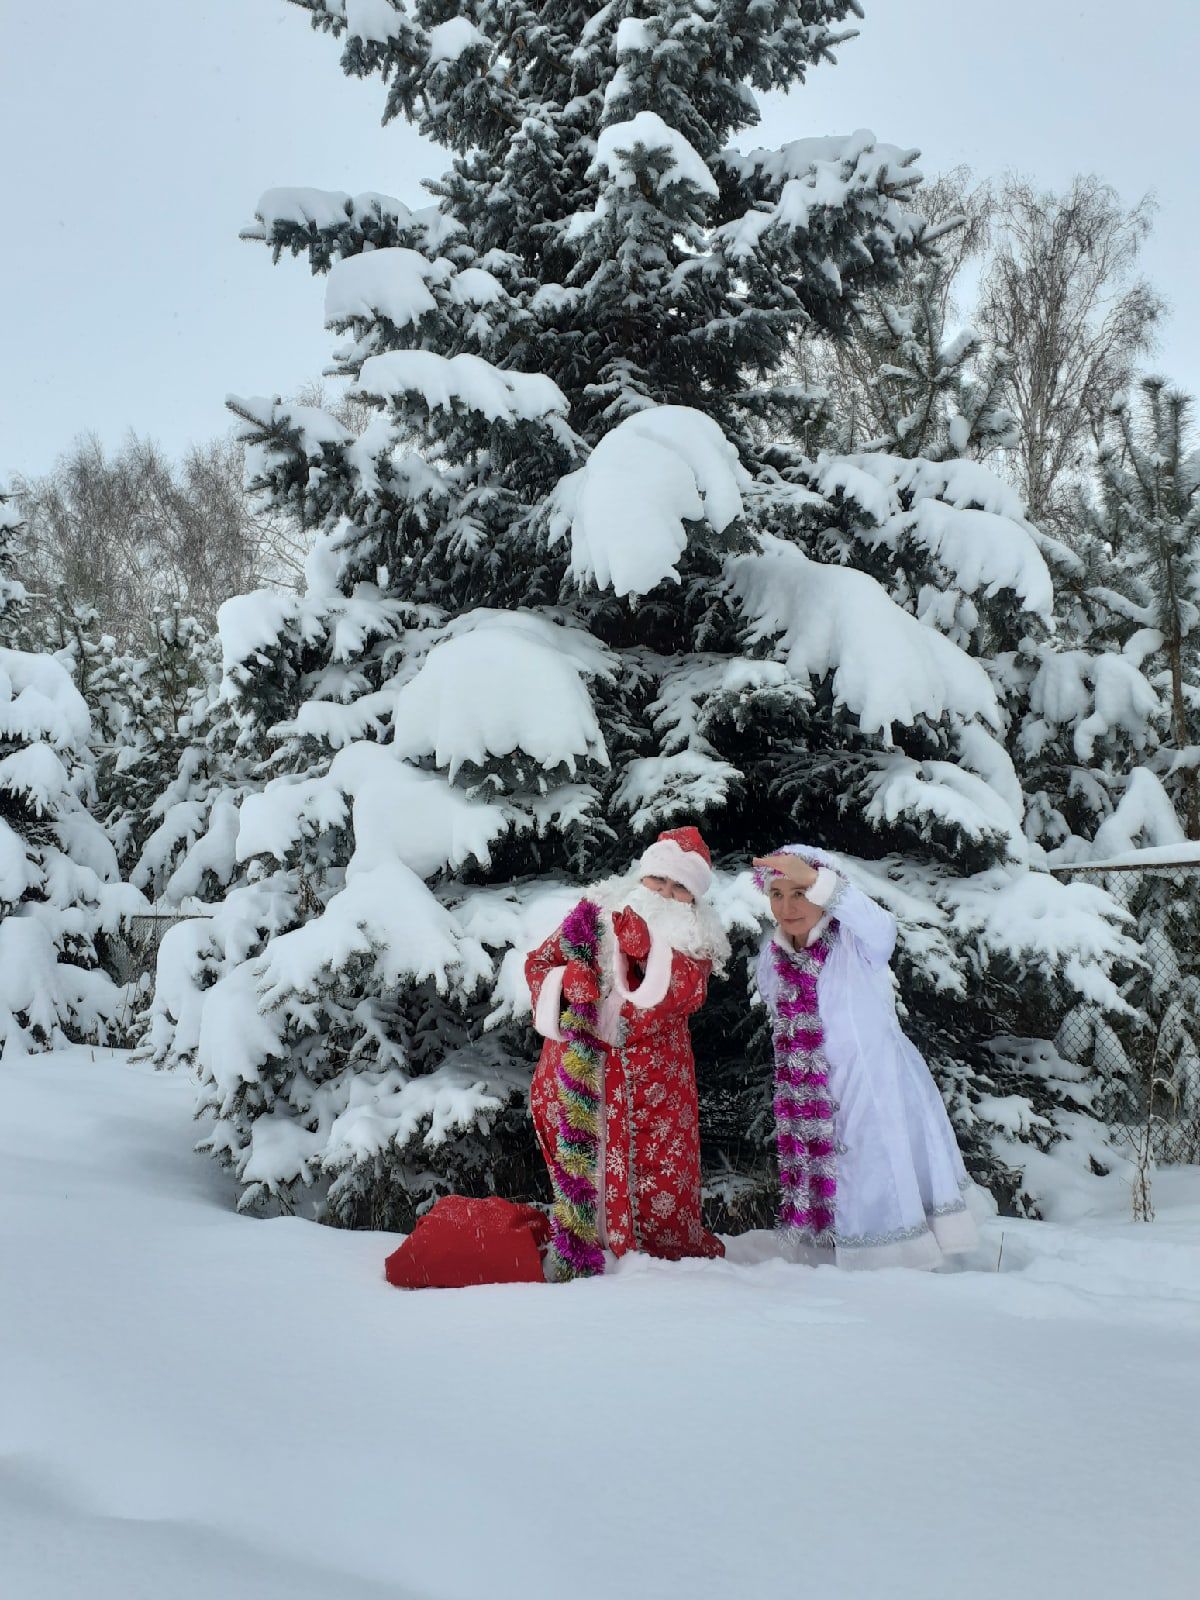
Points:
[[654, 960]]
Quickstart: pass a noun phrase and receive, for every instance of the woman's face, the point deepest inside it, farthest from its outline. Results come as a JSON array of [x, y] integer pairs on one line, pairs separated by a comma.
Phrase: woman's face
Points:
[[794, 914], [669, 889]]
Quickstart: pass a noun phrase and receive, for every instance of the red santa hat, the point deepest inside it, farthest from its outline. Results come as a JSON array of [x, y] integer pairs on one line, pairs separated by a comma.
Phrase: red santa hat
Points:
[[681, 855]]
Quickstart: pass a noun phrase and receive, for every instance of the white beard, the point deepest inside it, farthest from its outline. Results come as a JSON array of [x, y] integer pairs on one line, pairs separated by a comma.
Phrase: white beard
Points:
[[692, 929]]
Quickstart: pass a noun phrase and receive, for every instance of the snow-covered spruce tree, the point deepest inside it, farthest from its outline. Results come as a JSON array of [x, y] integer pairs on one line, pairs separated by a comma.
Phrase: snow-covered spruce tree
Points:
[[159, 697], [59, 883], [1147, 523], [106, 677], [1107, 743], [567, 591], [14, 598], [1134, 609], [921, 390], [950, 543], [187, 862]]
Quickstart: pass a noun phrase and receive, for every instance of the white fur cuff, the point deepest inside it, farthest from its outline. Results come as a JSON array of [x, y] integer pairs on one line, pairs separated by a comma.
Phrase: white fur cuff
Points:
[[653, 988], [549, 1005], [823, 890]]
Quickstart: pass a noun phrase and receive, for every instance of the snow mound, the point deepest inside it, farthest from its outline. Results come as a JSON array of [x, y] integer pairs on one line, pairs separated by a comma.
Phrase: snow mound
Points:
[[122, 1477]]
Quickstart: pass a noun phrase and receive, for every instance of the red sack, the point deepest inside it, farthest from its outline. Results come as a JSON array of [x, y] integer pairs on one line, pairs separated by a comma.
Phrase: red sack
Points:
[[460, 1242]]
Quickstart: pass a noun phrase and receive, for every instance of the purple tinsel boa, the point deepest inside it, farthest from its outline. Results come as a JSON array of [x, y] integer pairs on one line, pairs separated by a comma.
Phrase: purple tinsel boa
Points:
[[804, 1134]]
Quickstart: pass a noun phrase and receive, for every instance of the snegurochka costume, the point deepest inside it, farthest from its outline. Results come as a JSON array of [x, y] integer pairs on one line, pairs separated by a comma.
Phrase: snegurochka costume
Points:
[[870, 1172]]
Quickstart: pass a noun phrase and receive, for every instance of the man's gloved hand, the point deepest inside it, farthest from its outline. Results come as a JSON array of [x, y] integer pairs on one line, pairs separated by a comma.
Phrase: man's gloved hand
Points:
[[632, 934], [580, 984]]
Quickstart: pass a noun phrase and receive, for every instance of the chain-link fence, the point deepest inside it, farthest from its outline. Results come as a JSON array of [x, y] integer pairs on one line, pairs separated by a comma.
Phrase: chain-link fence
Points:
[[1145, 1066], [132, 953]]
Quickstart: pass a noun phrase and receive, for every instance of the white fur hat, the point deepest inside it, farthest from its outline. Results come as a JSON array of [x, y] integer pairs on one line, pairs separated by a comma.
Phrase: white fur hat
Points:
[[681, 855]]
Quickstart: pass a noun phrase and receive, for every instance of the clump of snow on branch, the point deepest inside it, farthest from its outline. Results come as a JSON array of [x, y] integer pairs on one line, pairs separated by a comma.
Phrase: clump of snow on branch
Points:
[[1073, 931], [499, 682], [1095, 695], [807, 178], [510, 920], [450, 40], [670, 464], [691, 694], [886, 666], [900, 787], [375, 21], [659, 790], [391, 283], [969, 522], [469, 381], [1144, 817], [619, 142], [250, 623], [397, 812]]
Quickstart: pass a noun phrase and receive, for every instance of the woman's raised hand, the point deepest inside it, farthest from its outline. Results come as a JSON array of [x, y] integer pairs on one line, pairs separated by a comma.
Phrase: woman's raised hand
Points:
[[794, 868]]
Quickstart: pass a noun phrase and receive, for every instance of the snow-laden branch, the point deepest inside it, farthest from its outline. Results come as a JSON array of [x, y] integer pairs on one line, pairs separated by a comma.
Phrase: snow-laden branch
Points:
[[627, 508], [886, 666]]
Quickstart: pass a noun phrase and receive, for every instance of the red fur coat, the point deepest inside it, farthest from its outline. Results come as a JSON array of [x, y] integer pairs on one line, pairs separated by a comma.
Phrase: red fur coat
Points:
[[650, 1149]]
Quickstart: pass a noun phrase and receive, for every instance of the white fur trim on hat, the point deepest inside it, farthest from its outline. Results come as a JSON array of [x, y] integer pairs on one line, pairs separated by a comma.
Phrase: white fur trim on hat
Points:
[[665, 859]]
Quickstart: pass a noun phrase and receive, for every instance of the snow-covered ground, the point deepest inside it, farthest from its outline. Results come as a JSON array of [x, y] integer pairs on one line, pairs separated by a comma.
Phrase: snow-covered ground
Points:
[[199, 1405]]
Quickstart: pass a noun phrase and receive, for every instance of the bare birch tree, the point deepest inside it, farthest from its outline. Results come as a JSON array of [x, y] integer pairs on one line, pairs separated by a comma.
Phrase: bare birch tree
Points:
[[1061, 294], [902, 348], [133, 533]]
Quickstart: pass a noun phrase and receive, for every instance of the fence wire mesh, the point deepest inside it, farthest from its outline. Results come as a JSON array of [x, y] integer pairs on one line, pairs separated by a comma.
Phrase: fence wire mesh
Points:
[[1145, 1065], [131, 954]]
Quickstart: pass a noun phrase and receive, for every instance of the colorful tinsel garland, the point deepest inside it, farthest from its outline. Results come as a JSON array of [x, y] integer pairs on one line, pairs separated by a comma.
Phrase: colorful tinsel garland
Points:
[[575, 1236], [804, 1131]]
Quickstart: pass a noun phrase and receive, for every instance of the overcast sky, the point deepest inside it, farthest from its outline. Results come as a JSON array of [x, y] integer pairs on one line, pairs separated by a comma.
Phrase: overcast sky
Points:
[[136, 136]]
